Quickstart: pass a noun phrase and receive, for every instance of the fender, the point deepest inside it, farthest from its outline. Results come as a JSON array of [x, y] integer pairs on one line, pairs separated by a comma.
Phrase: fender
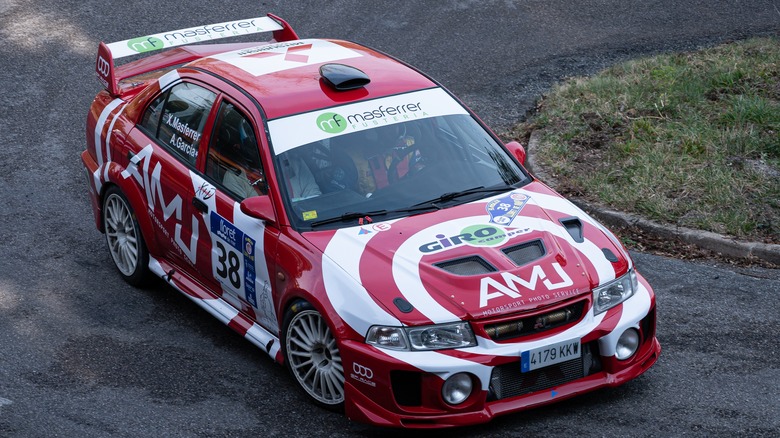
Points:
[[137, 199]]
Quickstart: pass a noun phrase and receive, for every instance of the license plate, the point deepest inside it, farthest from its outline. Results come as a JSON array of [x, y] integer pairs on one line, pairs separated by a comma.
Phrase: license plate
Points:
[[549, 355]]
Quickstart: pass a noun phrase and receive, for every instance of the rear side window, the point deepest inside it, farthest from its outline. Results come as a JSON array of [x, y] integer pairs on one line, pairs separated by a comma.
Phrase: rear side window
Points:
[[177, 118]]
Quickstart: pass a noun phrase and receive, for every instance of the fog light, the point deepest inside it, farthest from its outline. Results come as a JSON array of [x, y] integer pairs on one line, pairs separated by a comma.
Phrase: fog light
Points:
[[627, 344], [457, 388]]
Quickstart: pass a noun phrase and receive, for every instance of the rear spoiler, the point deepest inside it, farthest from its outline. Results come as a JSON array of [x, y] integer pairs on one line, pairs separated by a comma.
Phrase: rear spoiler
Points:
[[109, 75]]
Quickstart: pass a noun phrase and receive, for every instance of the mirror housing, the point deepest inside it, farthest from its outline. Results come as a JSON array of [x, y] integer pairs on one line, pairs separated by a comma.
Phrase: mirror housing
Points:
[[517, 150], [259, 207]]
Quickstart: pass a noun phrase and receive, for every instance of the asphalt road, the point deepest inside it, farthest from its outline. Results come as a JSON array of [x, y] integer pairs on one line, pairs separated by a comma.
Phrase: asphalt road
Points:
[[83, 354]]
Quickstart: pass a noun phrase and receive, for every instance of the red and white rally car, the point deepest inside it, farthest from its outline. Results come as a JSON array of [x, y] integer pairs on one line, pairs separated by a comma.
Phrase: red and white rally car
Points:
[[350, 217]]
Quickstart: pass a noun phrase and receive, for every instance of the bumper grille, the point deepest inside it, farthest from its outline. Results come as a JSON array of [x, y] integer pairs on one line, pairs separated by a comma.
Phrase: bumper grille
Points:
[[507, 380], [537, 323]]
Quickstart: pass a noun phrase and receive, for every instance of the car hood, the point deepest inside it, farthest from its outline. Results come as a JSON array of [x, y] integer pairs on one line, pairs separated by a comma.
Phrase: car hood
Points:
[[517, 251]]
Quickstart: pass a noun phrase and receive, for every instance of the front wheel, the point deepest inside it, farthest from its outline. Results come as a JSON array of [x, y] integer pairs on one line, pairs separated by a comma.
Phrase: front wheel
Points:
[[312, 355], [124, 239]]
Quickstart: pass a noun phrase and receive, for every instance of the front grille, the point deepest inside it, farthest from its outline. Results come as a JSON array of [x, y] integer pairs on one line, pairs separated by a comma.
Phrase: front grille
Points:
[[507, 380], [537, 323]]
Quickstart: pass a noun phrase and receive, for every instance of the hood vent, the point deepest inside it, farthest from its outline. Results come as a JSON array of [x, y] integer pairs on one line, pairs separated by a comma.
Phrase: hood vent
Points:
[[472, 265], [525, 252], [574, 226], [609, 255], [343, 77]]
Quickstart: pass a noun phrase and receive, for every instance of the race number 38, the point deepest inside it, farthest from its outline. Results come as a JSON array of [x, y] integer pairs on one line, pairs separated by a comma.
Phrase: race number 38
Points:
[[233, 258]]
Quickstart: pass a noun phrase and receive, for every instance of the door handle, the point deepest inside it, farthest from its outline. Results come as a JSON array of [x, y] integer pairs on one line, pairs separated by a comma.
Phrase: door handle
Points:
[[200, 205]]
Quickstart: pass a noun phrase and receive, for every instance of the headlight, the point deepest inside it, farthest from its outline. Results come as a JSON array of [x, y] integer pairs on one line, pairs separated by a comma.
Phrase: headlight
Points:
[[615, 292], [429, 337]]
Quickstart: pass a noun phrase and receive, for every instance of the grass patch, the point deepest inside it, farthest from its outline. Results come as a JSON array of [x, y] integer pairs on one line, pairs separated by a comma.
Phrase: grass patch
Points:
[[691, 139]]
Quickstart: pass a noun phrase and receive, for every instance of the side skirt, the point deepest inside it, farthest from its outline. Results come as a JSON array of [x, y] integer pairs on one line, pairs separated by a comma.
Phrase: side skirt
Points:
[[219, 308]]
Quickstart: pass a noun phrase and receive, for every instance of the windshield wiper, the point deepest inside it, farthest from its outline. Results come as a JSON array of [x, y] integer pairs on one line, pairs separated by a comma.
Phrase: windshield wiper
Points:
[[449, 196], [348, 216]]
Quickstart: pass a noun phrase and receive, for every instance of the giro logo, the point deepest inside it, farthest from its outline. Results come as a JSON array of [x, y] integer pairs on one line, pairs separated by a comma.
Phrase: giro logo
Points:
[[102, 66], [331, 123], [362, 371], [145, 44], [474, 235]]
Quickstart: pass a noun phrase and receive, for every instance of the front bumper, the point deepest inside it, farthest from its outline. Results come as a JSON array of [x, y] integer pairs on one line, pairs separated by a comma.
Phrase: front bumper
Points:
[[403, 389]]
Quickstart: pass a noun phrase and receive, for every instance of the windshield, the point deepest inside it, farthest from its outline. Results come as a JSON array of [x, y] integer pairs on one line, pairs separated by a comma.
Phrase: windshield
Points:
[[386, 158]]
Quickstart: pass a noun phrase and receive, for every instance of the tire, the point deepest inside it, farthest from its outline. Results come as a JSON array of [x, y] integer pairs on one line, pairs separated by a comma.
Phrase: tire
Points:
[[123, 237], [312, 355]]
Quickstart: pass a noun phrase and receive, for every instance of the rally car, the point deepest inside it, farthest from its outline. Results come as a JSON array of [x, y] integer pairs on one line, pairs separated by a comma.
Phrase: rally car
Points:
[[350, 217]]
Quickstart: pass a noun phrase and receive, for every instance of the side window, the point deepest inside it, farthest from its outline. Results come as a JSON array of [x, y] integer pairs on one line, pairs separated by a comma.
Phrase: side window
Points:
[[151, 120], [233, 158], [177, 118]]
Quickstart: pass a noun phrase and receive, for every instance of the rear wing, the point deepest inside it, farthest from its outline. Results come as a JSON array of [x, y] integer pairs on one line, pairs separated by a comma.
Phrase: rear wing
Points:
[[109, 75]]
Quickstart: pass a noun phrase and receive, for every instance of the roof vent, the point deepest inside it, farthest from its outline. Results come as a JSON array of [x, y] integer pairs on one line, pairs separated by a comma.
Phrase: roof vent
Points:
[[343, 77]]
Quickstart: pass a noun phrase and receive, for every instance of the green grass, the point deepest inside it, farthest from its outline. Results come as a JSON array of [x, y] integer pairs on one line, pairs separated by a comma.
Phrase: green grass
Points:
[[691, 139]]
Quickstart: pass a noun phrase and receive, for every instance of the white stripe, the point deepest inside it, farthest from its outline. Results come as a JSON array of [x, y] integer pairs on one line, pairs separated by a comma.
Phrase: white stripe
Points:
[[100, 124], [168, 78], [340, 276]]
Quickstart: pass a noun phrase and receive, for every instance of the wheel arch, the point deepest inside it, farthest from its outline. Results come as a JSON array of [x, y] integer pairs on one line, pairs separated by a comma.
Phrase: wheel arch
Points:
[[137, 200]]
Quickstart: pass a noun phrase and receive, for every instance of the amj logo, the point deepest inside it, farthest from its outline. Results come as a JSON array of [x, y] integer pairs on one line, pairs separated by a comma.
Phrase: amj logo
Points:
[[510, 285], [331, 123], [145, 44]]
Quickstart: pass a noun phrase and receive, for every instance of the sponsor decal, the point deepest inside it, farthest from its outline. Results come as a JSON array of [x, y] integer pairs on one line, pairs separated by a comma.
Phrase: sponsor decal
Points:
[[205, 191], [331, 123], [473, 235], [380, 227], [292, 51], [150, 181], [362, 374], [503, 210], [509, 284], [290, 132], [209, 31], [363, 231], [145, 44], [191, 35], [103, 69]]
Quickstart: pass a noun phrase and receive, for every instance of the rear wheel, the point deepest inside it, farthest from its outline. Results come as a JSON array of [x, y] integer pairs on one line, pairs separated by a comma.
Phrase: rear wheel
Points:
[[312, 355], [124, 239]]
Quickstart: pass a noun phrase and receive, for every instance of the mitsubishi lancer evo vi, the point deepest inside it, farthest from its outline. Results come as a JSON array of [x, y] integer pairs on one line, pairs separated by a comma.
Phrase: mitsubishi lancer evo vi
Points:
[[351, 218]]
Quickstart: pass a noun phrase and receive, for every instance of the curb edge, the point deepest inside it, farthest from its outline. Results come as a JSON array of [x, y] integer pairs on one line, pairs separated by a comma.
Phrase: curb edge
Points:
[[726, 246]]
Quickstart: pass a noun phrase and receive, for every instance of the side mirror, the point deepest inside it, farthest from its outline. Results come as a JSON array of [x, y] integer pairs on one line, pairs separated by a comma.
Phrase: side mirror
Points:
[[259, 207], [517, 150]]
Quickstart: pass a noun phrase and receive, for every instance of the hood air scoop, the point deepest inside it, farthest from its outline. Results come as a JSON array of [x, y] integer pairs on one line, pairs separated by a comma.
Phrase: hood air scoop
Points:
[[343, 77]]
